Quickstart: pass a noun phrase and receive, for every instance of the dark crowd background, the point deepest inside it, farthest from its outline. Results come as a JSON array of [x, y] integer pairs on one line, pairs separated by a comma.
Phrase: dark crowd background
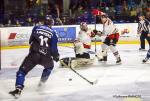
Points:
[[68, 12]]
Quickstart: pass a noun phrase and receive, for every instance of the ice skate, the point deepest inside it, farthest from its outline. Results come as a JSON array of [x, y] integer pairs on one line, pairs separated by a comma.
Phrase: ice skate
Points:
[[16, 93], [118, 61], [142, 49], [145, 60]]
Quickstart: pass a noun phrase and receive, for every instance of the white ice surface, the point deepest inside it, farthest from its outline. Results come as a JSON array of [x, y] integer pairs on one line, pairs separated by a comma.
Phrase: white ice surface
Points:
[[130, 78]]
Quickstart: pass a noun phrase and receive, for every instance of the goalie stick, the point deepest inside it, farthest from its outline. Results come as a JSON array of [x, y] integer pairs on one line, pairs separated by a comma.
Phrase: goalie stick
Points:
[[90, 82]]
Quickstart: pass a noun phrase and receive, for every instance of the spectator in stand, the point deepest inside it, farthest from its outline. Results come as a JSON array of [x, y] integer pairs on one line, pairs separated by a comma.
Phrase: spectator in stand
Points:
[[9, 24], [133, 14], [80, 11], [72, 7], [58, 21], [29, 22], [54, 9], [111, 3], [118, 10], [139, 10], [81, 7], [111, 12], [17, 23], [64, 21], [137, 2], [101, 5], [148, 14], [84, 3]]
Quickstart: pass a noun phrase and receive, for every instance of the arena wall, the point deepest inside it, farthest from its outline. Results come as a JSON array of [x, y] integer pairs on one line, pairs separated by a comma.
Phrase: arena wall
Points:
[[19, 36]]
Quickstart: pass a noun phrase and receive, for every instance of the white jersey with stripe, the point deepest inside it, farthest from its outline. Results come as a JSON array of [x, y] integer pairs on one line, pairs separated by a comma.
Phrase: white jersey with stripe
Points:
[[109, 28], [85, 37]]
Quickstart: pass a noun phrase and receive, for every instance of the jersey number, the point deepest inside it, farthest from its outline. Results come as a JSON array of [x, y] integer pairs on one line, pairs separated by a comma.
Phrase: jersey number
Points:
[[43, 40]]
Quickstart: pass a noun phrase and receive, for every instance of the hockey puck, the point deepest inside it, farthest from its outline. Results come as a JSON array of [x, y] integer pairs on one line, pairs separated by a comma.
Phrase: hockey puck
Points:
[[70, 79]]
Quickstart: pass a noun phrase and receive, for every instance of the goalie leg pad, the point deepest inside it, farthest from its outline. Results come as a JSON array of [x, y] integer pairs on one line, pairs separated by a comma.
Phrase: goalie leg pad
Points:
[[83, 61], [67, 61], [76, 62], [84, 55], [78, 46]]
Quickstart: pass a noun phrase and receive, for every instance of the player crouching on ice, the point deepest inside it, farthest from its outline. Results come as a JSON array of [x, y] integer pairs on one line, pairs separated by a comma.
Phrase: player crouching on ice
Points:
[[43, 50], [82, 46], [111, 37]]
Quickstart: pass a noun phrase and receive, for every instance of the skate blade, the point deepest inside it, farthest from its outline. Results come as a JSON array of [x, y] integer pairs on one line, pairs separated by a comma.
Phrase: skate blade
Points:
[[119, 63], [16, 96]]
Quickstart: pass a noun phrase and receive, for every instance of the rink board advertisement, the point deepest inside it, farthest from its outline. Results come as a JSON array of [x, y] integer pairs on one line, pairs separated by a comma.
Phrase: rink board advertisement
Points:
[[12, 36], [66, 34], [19, 36]]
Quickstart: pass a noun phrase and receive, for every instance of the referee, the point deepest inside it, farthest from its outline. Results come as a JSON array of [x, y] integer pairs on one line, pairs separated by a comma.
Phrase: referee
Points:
[[144, 31]]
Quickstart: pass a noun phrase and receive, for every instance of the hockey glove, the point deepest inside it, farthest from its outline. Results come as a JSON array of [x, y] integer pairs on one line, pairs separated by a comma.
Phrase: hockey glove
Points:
[[99, 33], [56, 58], [95, 31]]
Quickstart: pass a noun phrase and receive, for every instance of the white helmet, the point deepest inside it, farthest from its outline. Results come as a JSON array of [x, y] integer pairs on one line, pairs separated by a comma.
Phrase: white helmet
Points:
[[83, 26]]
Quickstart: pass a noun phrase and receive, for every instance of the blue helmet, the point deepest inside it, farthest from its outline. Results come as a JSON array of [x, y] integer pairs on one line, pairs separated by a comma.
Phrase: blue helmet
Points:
[[49, 20]]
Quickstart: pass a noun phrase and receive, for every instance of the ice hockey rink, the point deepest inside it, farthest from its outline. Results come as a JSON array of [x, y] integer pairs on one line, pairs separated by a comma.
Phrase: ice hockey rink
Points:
[[129, 81]]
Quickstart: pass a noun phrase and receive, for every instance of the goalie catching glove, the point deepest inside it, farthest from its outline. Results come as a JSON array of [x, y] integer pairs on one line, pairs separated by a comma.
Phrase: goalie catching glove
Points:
[[99, 33]]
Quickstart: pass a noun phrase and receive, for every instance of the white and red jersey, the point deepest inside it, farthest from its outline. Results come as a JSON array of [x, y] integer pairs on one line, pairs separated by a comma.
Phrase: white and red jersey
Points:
[[109, 28], [85, 38]]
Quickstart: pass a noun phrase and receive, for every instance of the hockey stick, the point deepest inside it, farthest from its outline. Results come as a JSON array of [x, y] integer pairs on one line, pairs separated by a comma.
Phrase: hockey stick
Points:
[[90, 82], [95, 37]]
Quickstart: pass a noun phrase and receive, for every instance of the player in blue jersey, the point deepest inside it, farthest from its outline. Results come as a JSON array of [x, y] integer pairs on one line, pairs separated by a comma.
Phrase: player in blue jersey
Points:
[[43, 50], [147, 57]]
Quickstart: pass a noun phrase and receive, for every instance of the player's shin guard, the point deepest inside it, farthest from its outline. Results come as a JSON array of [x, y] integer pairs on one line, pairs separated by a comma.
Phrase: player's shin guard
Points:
[[45, 74], [116, 53], [118, 59], [104, 52], [20, 78]]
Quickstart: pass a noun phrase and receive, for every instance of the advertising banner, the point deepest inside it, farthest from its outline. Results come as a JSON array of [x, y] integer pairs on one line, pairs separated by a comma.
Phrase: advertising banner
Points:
[[66, 34], [13, 36], [19, 36]]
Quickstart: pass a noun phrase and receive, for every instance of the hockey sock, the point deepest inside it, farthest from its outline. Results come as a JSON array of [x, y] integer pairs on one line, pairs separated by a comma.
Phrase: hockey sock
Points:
[[104, 49], [20, 78], [45, 74], [115, 51]]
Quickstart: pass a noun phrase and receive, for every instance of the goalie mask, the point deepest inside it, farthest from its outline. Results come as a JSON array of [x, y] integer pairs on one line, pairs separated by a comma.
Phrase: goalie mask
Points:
[[83, 26]]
